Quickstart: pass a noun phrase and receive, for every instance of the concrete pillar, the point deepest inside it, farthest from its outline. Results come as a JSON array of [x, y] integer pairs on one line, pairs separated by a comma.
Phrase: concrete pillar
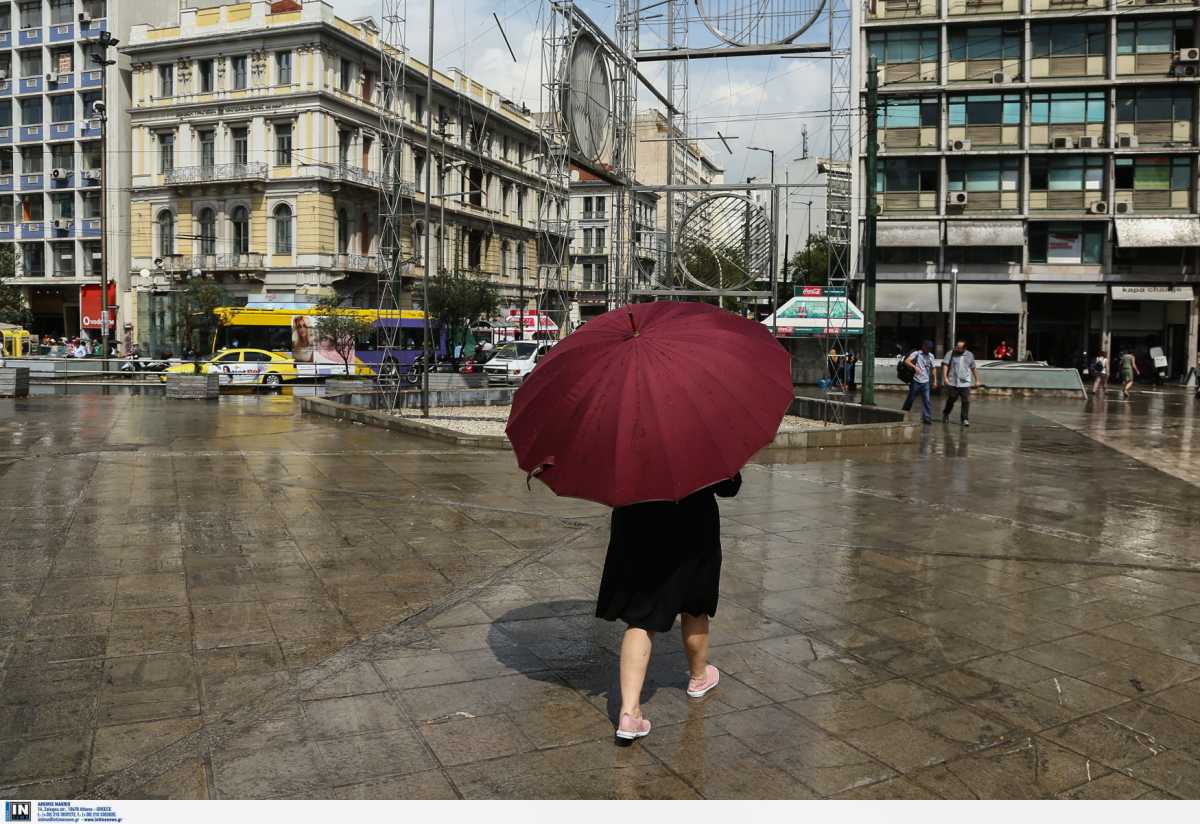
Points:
[[1106, 325], [1193, 335], [1023, 325]]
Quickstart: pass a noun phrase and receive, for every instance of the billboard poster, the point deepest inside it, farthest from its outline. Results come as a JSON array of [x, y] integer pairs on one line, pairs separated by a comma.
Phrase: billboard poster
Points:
[[1064, 247], [817, 312], [313, 353]]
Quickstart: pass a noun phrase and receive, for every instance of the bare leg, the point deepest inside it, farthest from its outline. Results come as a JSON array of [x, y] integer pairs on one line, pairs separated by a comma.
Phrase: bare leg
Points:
[[635, 657], [695, 642]]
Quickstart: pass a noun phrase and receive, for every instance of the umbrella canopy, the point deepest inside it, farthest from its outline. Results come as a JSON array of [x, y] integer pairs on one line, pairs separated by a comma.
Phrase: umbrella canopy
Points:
[[651, 402]]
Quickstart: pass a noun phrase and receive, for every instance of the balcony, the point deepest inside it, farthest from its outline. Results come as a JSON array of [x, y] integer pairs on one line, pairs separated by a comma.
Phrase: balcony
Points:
[[6, 231], [90, 227], [356, 263], [6, 183], [901, 9], [62, 131], [61, 82], [62, 178], [89, 129], [32, 134], [61, 228], [594, 215], [30, 85], [353, 174], [6, 136], [89, 178], [33, 230], [90, 30], [33, 182], [91, 79], [6, 87], [216, 173], [231, 262], [5, 39], [62, 33], [29, 37], [592, 250]]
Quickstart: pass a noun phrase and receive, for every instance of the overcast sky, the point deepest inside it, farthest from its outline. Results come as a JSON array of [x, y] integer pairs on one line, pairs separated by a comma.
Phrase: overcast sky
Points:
[[742, 97]]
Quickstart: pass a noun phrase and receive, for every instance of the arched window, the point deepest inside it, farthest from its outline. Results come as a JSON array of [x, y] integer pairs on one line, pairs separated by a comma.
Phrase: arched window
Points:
[[240, 219], [283, 229], [208, 232], [166, 233], [343, 229]]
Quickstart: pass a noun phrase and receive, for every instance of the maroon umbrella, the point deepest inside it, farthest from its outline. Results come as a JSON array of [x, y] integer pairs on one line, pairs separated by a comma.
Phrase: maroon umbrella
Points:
[[650, 402]]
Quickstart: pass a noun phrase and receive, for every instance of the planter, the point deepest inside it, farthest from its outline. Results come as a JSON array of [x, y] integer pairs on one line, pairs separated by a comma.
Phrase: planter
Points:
[[194, 387], [14, 382], [348, 386]]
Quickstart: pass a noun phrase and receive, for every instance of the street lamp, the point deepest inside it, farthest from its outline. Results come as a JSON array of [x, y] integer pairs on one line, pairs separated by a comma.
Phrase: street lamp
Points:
[[953, 305], [774, 194], [105, 40]]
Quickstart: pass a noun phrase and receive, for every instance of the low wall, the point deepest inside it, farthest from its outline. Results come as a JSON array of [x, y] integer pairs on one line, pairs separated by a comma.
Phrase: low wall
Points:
[[338, 410], [848, 413], [1002, 378], [372, 398]]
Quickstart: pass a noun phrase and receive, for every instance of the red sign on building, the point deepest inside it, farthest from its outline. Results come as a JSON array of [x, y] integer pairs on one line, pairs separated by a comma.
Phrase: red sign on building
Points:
[[89, 306]]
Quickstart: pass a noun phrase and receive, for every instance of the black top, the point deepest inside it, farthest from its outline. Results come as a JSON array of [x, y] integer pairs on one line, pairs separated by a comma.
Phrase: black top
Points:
[[664, 558]]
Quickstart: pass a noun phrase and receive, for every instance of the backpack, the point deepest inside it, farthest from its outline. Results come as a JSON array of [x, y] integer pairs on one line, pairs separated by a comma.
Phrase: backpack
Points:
[[1097, 368], [905, 372]]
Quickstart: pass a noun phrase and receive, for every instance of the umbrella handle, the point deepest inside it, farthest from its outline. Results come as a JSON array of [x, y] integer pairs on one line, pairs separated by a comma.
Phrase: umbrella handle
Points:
[[545, 464], [633, 324]]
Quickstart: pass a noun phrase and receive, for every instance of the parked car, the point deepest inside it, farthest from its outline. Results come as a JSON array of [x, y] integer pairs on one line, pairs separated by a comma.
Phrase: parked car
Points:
[[244, 366], [514, 360]]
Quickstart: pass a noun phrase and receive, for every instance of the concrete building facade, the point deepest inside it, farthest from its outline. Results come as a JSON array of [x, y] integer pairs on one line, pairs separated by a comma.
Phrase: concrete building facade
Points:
[[697, 165], [1048, 151], [257, 157]]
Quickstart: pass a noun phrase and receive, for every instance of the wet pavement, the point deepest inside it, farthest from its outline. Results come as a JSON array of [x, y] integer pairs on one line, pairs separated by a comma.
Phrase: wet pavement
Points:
[[230, 600]]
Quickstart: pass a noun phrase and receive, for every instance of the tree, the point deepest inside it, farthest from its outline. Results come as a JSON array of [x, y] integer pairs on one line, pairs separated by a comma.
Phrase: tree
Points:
[[810, 266], [194, 314], [341, 328], [456, 299], [718, 267], [13, 308]]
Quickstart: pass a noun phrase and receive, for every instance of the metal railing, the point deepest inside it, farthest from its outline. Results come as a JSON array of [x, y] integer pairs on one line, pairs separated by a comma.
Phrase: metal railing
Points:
[[217, 172], [213, 263], [356, 263]]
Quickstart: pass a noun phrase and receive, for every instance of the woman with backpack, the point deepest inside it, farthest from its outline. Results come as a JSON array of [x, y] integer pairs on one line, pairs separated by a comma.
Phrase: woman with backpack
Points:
[[1099, 373]]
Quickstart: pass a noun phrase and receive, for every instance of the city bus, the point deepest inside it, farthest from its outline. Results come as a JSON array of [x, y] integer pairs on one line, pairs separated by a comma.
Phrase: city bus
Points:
[[291, 328]]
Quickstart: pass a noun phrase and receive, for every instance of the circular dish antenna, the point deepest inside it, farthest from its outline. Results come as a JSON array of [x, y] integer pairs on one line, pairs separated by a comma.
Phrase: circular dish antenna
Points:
[[587, 104], [759, 22], [724, 243]]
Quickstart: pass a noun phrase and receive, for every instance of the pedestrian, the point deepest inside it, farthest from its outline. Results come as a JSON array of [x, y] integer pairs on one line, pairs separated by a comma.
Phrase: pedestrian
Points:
[[1099, 373], [1003, 351], [924, 373], [1129, 371], [851, 365], [959, 374], [81, 350], [836, 374], [663, 561]]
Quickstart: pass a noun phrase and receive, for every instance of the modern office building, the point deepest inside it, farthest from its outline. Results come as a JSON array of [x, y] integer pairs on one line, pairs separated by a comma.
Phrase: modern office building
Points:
[[594, 258], [1047, 150], [51, 154], [257, 157]]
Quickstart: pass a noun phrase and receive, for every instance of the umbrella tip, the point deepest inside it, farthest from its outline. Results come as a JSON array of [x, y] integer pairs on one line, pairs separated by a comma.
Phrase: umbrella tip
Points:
[[633, 323]]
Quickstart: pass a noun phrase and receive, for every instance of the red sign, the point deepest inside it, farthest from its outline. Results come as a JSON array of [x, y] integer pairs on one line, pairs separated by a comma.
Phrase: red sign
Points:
[[89, 306], [812, 292]]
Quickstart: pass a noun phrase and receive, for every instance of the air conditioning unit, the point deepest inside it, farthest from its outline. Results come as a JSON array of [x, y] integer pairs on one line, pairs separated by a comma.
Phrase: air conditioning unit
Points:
[[84, 18], [960, 145], [1188, 55], [1099, 207], [61, 224], [956, 198], [91, 174], [1064, 143], [1089, 142], [1127, 141], [999, 77], [1124, 208], [60, 174], [1186, 70]]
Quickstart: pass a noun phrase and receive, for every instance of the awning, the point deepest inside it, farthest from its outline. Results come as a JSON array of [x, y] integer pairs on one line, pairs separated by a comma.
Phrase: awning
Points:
[[985, 233], [985, 298], [1066, 288], [906, 297], [908, 233], [1141, 233]]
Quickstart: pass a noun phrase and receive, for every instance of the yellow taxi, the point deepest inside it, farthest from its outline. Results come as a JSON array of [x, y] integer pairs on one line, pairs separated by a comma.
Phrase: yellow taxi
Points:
[[242, 366]]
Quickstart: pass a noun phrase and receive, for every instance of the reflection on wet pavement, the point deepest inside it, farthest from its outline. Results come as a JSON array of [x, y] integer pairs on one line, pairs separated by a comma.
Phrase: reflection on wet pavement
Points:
[[231, 600]]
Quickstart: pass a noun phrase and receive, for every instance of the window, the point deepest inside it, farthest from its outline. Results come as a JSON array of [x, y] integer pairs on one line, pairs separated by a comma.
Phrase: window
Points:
[[908, 112], [32, 113], [599, 238], [6, 114], [62, 61], [418, 241], [1070, 39], [208, 231], [343, 232], [1153, 104], [206, 75], [91, 205], [5, 17], [419, 107], [1052, 108], [474, 249], [347, 75], [32, 208], [1154, 35], [343, 147], [166, 234], [587, 238], [62, 156], [985, 110], [239, 220], [62, 12], [237, 66], [985, 174], [419, 170], [985, 43], [208, 150], [31, 15], [283, 229], [166, 80], [166, 153], [240, 138], [1068, 173], [283, 68], [283, 144], [1066, 243], [904, 46], [31, 63], [1153, 173], [62, 108], [907, 175], [368, 91]]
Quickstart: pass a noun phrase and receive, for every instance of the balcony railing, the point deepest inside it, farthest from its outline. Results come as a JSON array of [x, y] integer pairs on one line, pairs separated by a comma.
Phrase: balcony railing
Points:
[[217, 172], [356, 263], [341, 171], [214, 263]]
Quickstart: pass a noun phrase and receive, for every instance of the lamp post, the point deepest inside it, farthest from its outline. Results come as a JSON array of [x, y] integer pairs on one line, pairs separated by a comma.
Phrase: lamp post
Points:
[[105, 41], [953, 305], [774, 193], [428, 217]]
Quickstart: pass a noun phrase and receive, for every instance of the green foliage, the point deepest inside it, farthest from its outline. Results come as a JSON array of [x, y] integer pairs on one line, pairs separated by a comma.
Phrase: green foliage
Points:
[[341, 328], [457, 299], [721, 266], [194, 313], [810, 266], [13, 308]]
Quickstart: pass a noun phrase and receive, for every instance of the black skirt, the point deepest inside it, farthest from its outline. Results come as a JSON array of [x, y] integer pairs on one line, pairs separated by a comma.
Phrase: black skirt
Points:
[[664, 558]]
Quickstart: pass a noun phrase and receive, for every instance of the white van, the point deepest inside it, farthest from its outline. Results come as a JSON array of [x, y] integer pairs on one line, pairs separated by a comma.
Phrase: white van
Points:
[[514, 360]]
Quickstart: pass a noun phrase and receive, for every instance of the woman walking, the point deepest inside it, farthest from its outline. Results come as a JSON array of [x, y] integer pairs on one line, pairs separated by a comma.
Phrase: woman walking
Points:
[[664, 560], [1099, 373], [1128, 371]]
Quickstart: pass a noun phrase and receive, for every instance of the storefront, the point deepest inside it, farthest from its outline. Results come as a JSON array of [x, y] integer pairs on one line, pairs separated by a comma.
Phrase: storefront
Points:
[[55, 310], [910, 312], [1144, 318]]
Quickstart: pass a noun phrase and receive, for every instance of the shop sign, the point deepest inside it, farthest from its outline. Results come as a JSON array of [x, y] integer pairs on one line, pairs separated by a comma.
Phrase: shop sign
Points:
[[1152, 293]]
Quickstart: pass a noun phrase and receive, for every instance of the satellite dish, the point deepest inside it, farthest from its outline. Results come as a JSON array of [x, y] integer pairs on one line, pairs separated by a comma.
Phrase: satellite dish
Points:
[[587, 104], [759, 22]]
